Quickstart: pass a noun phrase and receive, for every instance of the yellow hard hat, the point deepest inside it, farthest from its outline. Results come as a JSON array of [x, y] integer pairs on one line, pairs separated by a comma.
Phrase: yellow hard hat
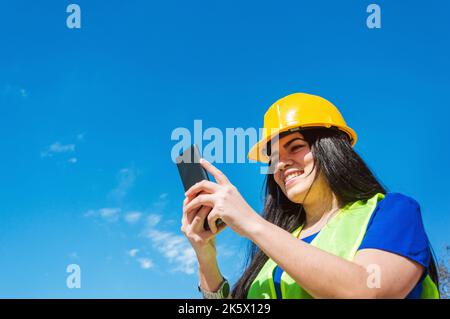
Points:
[[298, 110]]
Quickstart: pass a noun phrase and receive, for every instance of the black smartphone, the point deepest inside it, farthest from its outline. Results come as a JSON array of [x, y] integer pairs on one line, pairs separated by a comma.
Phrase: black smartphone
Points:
[[191, 172]]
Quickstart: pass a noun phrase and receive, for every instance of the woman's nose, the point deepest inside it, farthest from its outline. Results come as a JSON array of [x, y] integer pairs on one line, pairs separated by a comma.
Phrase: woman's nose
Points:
[[283, 163]]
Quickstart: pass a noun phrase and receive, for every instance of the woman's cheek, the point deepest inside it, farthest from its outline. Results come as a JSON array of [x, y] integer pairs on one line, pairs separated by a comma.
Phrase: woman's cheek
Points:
[[308, 157]]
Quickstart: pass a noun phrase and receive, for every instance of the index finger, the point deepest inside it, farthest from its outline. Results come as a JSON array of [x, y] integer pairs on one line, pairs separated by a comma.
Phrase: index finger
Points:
[[218, 175], [204, 199], [204, 185]]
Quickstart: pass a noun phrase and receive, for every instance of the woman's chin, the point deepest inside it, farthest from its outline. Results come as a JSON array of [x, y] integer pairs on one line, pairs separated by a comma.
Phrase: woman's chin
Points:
[[296, 194]]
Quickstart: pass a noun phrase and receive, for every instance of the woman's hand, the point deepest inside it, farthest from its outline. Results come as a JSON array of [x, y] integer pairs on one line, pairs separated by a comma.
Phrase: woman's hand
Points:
[[202, 241], [224, 199]]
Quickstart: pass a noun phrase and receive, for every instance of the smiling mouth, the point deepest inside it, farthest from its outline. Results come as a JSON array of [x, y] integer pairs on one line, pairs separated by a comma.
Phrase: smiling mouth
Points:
[[291, 177]]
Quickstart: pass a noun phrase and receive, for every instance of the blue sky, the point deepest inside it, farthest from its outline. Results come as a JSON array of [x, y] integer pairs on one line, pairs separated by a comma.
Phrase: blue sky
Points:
[[86, 118]]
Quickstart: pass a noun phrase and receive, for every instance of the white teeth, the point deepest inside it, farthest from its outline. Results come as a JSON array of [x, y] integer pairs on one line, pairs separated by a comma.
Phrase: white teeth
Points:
[[292, 175]]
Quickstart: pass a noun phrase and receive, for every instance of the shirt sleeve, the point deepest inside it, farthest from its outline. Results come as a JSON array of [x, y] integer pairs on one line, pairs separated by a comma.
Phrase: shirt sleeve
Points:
[[396, 226]]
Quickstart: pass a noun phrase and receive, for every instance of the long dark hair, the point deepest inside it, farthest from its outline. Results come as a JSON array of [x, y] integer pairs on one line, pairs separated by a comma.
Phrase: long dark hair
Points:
[[348, 176]]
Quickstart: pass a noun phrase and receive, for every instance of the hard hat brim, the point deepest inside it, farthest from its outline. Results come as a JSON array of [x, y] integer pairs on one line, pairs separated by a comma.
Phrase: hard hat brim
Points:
[[258, 151]]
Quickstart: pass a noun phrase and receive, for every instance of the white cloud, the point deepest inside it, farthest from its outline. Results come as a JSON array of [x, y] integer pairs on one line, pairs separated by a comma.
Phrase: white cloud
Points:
[[91, 213], [108, 214], [133, 252], [163, 196], [160, 204], [133, 217], [13, 91], [72, 160], [175, 249], [126, 177], [80, 137], [145, 263], [56, 148], [153, 220]]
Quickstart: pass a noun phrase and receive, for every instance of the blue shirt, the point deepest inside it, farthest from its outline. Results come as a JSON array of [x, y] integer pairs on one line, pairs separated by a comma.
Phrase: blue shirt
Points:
[[395, 226]]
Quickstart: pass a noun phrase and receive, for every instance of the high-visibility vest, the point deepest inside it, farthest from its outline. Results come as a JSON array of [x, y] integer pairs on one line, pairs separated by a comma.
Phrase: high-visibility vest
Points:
[[341, 236]]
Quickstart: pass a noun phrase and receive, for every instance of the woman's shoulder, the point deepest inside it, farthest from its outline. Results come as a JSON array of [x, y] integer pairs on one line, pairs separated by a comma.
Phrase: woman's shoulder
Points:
[[398, 214], [399, 201], [396, 226]]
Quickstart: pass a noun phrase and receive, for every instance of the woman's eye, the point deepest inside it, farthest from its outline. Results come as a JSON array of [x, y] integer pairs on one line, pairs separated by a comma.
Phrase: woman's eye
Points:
[[296, 148]]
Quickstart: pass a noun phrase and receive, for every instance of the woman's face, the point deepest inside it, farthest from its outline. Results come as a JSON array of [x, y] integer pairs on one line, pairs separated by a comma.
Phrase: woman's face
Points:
[[293, 164]]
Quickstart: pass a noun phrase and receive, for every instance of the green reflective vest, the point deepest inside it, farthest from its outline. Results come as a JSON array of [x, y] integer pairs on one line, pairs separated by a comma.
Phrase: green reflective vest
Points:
[[341, 236]]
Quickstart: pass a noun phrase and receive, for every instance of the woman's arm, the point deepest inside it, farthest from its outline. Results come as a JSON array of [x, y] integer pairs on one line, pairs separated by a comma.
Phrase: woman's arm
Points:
[[322, 274], [204, 244], [210, 277], [325, 275]]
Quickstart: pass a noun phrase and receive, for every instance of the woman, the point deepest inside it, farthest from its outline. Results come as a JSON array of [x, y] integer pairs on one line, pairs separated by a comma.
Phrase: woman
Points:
[[328, 230]]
